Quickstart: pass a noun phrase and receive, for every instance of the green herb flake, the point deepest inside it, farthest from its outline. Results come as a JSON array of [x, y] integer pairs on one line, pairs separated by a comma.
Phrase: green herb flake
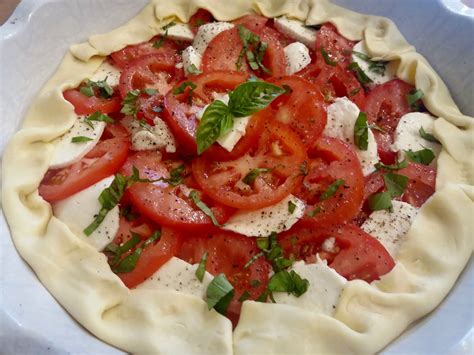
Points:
[[361, 55], [245, 296], [291, 207], [249, 179], [193, 195], [128, 263], [252, 260], [161, 40], [192, 69], [380, 201], [288, 281], [129, 104], [80, 139], [361, 76], [219, 294], [331, 190], [87, 91], [413, 97], [361, 132], [181, 89], [105, 90], [326, 57], [201, 269], [98, 117], [176, 176], [427, 136], [395, 183], [424, 156], [150, 92], [314, 212], [397, 166]]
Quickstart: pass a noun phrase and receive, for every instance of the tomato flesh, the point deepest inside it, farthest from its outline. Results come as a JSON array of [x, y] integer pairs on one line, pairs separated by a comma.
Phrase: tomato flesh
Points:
[[84, 105]]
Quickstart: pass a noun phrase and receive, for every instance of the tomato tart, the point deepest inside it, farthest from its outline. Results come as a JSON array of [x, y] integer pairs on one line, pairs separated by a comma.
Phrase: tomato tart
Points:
[[228, 177]]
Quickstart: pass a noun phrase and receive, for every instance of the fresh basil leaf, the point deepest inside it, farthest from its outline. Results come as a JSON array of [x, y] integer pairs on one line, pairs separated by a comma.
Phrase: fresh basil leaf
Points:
[[245, 296], [396, 166], [252, 259], [249, 179], [395, 183], [263, 243], [98, 117], [180, 89], [128, 263], [119, 250], [80, 139], [87, 91], [252, 96], [201, 269], [129, 104], [314, 212], [291, 282], [192, 69], [326, 57], [361, 76], [331, 190], [377, 67], [380, 201], [427, 136], [151, 239], [424, 156], [281, 263], [193, 195], [159, 43], [413, 97], [291, 207], [216, 121], [219, 294], [252, 60], [150, 92], [105, 90], [361, 55], [361, 132]]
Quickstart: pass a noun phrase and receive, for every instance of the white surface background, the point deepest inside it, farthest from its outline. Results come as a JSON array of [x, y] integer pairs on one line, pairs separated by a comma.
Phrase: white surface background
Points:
[[32, 44]]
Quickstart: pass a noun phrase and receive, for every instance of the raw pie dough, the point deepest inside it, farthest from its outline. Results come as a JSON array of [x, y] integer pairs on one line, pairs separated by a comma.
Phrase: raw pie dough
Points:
[[367, 317]]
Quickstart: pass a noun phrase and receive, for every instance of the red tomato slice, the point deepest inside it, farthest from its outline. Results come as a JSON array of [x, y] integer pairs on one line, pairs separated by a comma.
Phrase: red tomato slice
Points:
[[228, 253], [200, 18], [384, 106], [356, 255], [254, 23], [104, 160], [127, 55], [422, 183], [166, 204], [279, 149], [115, 130], [181, 116], [274, 58], [152, 257], [332, 159], [303, 109], [84, 105], [336, 46]]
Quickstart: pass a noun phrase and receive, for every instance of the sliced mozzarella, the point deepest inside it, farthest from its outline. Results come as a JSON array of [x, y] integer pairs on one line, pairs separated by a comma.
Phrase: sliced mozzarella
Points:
[[407, 134], [325, 287], [109, 72], [180, 276], [146, 137], [296, 29], [264, 221], [206, 34], [342, 115], [180, 32], [79, 210], [297, 57], [66, 152], [191, 56], [389, 228], [377, 77], [231, 138]]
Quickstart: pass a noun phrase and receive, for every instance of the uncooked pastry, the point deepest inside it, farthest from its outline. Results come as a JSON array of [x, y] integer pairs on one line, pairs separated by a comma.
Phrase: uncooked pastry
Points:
[[367, 318]]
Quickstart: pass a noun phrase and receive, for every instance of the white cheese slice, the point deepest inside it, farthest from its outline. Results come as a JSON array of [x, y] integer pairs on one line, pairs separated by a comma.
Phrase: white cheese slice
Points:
[[264, 221], [297, 30], [146, 137], [407, 134], [206, 34], [231, 138], [377, 77], [342, 115], [66, 152], [325, 287], [107, 70], [297, 57], [180, 32], [78, 212], [180, 276], [191, 56], [389, 228]]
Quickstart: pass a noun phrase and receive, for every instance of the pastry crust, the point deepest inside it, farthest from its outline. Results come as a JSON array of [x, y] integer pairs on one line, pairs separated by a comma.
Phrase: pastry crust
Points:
[[367, 318]]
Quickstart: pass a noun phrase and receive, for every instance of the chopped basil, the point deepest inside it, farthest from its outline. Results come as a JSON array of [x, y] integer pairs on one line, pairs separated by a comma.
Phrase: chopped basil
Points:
[[395, 183], [396, 166], [129, 104], [273, 252], [128, 213], [193, 195], [361, 55], [361, 132], [252, 259], [192, 69], [291, 207], [176, 176], [249, 179], [331, 190], [326, 58], [105, 90], [361, 76], [247, 38], [87, 91], [219, 294], [413, 97], [162, 39], [260, 54], [376, 127], [424, 156], [201, 269], [216, 121], [80, 139], [291, 282], [380, 201], [180, 89], [119, 250], [314, 212], [150, 92], [427, 136], [129, 263], [377, 67], [304, 168], [354, 92], [245, 296], [98, 117]]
